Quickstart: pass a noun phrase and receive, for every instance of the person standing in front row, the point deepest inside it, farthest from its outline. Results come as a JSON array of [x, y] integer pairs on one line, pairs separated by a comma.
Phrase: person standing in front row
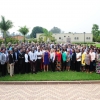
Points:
[[64, 58], [92, 66], [78, 60], [11, 63], [73, 60], [3, 62], [87, 61], [52, 60], [27, 60], [68, 61], [16, 60], [98, 62], [39, 60], [22, 61], [58, 60], [33, 59], [46, 59]]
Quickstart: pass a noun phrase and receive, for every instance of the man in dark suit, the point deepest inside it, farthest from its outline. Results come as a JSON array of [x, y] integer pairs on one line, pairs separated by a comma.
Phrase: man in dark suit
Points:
[[16, 59], [22, 61], [73, 60]]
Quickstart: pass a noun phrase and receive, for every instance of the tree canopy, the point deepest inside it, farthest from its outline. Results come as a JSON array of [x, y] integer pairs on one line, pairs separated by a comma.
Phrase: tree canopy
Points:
[[5, 25], [23, 30], [55, 30], [46, 34], [95, 32], [36, 30]]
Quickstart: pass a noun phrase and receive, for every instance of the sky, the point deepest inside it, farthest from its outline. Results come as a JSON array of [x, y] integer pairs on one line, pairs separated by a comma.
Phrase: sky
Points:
[[68, 15]]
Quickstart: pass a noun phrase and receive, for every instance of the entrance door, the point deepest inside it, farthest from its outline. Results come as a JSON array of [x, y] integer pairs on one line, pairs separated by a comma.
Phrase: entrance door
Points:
[[68, 40]]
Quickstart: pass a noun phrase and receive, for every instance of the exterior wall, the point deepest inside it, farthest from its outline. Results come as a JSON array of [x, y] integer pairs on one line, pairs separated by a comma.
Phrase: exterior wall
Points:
[[74, 37], [20, 38]]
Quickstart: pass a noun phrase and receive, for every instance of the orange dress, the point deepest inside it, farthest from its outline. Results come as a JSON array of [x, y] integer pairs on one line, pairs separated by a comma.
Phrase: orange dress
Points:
[[58, 61]]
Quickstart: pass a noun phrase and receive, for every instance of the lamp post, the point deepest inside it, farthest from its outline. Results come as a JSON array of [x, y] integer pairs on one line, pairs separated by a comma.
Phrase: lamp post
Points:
[[84, 37]]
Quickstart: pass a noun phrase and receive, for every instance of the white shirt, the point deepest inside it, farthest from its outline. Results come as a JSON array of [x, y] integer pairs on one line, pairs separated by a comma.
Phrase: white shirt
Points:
[[26, 58], [30, 52], [52, 56], [39, 53], [33, 56], [92, 54], [78, 55]]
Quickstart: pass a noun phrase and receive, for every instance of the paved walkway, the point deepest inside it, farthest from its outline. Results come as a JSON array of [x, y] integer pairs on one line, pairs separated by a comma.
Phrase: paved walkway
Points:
[[50, 92]]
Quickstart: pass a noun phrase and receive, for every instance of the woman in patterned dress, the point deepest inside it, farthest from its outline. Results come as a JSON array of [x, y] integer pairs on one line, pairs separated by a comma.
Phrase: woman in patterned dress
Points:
[[58, 60], [98, 62], [68, 61]]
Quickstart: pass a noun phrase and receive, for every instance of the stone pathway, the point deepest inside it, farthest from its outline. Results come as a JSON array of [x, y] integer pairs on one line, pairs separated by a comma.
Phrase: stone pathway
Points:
[[50, 92]]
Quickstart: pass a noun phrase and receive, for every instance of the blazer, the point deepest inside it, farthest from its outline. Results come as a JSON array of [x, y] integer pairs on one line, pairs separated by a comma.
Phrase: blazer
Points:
[[21, 58], [11, 58], [73, 57], [2, 58], [15, 56]]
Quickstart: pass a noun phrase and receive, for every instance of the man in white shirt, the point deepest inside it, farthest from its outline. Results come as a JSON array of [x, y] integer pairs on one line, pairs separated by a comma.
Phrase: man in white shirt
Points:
[[39, 59], [33, 59]]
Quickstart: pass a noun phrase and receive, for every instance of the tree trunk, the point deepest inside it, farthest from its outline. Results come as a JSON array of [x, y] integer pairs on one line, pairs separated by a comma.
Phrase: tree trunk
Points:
[[24, 38], [5, 37]]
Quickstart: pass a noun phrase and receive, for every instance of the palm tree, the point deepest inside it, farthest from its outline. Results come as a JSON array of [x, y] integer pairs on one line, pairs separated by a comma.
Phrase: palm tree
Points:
[[47, 35], [5, 26], [23, 30]]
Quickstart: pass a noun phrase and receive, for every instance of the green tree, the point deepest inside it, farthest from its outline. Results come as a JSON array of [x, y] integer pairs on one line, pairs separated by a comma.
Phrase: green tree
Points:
[[47, 35], [95, 30], [36, 30], [98, 39], [23, 30], [5, 25], [55, 30]]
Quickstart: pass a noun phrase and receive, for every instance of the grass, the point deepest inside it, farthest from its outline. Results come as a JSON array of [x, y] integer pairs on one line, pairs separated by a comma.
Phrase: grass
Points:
[[97, 45], [52, 76]]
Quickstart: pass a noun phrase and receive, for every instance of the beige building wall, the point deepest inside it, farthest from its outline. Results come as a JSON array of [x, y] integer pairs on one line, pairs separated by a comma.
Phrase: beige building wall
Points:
[[73, 37]]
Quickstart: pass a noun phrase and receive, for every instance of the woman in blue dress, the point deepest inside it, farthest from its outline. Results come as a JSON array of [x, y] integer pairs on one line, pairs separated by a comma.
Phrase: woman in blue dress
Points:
[[46, 60]]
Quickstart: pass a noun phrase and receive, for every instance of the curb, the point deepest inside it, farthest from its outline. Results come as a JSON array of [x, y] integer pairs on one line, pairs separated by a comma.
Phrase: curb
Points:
[[46, 82]]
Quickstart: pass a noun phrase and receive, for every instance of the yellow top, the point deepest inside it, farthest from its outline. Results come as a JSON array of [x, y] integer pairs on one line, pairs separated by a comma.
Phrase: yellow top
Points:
[[83, 59]]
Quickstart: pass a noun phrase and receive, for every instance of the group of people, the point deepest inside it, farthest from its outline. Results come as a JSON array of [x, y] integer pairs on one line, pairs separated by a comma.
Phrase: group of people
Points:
[[34, 57]]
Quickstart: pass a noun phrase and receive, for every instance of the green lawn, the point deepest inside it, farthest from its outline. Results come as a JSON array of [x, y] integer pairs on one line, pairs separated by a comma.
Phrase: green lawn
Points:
[[97, 45], [52, 76]]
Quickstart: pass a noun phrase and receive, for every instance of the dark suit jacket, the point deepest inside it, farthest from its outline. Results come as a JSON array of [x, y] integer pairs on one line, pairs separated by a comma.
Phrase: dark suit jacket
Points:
[[21, 58], [74, 57], [11, 58], [15, 56]]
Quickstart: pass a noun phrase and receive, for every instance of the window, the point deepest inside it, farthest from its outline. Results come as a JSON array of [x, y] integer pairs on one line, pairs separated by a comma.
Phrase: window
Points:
[[87, 38], [77, 38], [59, 37], [64, 36]]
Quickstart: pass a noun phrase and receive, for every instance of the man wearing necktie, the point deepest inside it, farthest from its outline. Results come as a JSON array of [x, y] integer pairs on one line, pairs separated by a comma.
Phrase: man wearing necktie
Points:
[[16, 59]]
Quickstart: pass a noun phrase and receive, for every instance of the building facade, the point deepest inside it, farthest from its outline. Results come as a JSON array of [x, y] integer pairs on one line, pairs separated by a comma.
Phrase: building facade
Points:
[[71, 37], [19, 37]]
